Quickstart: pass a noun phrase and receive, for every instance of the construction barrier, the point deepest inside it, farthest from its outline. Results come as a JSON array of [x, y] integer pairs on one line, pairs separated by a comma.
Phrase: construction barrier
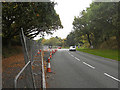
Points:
[[48, 66]]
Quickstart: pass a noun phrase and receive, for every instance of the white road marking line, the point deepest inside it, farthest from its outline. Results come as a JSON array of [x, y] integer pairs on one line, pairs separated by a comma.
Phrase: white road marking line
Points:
[[89, 65], [72, 55], [112, 77], [68, 52], [77, 58]]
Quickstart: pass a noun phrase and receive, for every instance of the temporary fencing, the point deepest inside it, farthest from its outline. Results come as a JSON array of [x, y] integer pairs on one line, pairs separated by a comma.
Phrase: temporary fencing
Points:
[[31, 74]]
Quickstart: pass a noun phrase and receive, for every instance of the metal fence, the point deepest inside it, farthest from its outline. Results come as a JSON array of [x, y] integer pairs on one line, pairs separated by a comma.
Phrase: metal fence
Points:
[[32, 74]]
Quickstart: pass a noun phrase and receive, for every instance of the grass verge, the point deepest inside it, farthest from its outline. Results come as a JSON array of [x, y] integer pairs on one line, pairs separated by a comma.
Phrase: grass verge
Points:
[[112, 54]]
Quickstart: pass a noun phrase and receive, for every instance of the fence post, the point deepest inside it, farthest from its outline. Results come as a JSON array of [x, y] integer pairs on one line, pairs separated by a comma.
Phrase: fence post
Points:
[[26, 56], [43, 73]]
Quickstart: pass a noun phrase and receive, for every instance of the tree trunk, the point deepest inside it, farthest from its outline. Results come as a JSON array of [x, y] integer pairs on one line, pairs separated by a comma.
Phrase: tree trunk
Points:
[[118, 39], [89, 39]]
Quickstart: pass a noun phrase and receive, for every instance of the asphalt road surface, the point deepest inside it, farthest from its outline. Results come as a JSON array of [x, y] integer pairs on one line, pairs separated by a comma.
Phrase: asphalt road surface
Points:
[[74, 69]]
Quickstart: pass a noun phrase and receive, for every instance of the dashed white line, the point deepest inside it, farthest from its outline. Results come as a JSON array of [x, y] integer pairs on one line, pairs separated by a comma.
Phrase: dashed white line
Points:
[[83, 62], [77, 58], [69, 53], [94, 68], [112, 77], [89, 65], [72, 55]]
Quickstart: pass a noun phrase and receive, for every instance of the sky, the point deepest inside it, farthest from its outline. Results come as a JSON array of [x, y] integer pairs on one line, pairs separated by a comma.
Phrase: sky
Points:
[[67, 9]]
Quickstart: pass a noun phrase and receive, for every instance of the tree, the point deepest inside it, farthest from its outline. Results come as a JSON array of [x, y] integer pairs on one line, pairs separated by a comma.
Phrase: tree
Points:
[[33, 17], [98, 23], [81, 25], [54, 41], [70, 40]]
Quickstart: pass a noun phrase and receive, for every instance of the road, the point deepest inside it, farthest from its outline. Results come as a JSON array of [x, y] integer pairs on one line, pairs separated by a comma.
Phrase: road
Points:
[[82, 70]]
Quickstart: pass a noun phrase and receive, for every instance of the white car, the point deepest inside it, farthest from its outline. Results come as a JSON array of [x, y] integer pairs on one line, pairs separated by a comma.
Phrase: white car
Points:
[[72, 48]]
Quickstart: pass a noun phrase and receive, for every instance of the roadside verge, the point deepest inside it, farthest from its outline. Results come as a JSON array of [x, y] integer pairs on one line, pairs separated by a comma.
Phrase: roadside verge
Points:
[[111, 54]]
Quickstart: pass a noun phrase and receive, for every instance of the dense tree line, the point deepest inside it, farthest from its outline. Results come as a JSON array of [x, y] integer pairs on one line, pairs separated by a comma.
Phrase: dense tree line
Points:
[[33, 17], [54, 41], [96, 24]]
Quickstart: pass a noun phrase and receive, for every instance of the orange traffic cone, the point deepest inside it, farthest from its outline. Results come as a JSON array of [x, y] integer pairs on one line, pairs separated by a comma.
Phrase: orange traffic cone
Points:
[[38, 52], [52, 52], [48, 68], [55, 50], [50, 55]]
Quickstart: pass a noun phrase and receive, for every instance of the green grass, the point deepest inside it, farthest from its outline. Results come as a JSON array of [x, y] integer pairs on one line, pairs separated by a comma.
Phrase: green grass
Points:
[[112, 54]]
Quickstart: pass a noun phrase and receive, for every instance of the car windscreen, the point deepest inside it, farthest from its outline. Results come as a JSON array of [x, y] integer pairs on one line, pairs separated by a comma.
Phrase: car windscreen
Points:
[[73, 47]]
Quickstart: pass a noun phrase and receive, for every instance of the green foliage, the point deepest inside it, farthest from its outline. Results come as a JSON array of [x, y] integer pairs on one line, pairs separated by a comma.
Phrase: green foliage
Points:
[[70, 40], [33, 17], [54, 41], [97, 24]]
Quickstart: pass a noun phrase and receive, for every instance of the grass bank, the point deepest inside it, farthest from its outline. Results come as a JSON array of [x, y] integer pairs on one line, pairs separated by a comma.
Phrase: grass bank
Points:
[[112, 54]]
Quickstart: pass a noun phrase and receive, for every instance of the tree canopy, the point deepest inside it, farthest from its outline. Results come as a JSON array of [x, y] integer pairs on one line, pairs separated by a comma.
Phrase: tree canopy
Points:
[[33, 17], [54, 41], [97, 23]]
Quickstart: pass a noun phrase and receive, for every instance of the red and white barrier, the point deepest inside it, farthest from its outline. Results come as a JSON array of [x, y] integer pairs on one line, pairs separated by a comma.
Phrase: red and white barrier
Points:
[[39, 51], [48, 67]]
